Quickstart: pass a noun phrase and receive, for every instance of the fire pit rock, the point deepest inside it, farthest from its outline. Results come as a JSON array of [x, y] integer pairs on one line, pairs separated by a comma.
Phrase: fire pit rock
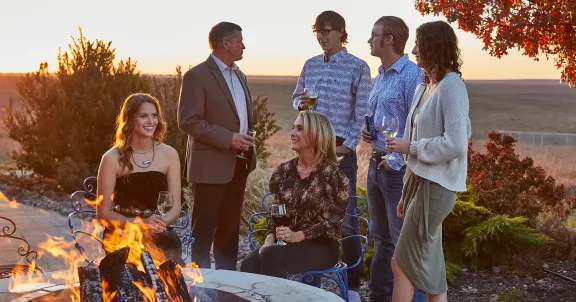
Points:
[[217, 285]]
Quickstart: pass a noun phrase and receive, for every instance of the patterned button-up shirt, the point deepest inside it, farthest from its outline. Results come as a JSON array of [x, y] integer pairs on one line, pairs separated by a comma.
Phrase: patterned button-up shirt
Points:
[[316, 204], [392, 95], [343, 85]]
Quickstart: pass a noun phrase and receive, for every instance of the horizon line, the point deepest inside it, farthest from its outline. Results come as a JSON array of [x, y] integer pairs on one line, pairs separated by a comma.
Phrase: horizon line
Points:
[[296, 76]]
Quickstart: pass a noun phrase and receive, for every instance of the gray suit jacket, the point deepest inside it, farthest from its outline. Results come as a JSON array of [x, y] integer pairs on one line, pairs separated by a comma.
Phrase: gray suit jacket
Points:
[[207, 113]]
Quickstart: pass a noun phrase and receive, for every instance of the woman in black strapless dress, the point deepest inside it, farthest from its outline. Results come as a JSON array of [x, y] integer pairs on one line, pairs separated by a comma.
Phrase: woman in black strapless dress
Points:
[[134, 172]]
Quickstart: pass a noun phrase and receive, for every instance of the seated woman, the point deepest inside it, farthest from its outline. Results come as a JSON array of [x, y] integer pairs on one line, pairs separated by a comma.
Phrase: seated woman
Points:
[[315, 193], [133, 173]]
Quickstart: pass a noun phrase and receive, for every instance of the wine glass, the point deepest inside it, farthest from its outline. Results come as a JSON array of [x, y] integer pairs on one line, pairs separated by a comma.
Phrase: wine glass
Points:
[[165, 202], [389, 129], [278, 213], [252, 133], [312, 97]]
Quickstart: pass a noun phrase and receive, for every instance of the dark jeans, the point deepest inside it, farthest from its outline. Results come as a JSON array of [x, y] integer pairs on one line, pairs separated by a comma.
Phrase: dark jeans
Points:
[[279, 260], [351, 248], [384, 192], [216, 218]]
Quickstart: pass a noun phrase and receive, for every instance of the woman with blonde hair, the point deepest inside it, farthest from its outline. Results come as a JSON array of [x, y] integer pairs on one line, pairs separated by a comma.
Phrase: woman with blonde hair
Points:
[[315, 193], [134, 172]]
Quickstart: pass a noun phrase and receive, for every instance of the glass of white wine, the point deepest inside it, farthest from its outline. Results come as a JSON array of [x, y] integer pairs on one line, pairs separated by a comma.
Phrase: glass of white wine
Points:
[[165, 202], [389, 129]]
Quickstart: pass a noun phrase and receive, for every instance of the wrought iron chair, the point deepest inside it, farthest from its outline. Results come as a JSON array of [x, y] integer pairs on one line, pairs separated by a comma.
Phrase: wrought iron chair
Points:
[[7, 270], [337, 274], [181, 227]]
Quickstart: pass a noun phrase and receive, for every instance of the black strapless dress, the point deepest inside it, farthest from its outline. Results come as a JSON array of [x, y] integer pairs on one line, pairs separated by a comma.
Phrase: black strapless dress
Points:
[[137, 193]]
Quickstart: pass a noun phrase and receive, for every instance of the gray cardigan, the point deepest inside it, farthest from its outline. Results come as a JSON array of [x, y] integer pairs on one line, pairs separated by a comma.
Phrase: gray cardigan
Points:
[[439, 152]]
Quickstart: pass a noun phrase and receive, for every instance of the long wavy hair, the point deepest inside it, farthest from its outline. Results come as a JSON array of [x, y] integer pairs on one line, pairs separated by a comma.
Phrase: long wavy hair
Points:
[[319, 134], [438, 49], [125, 123]]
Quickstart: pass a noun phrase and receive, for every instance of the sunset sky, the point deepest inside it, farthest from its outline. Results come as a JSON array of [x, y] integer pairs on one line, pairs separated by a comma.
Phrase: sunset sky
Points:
[[277, 34]]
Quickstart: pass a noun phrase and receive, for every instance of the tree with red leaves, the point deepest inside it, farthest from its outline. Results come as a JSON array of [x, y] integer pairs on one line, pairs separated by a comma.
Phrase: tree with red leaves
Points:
[[537, 27]]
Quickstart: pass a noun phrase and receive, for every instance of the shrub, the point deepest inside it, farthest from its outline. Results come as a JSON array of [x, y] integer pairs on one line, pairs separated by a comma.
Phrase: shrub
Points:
[[453, 271], [167, 90], [464, 215], [265, 126], [512, 186], [563, 245], [499, 239], [511, 295], [67, 118]]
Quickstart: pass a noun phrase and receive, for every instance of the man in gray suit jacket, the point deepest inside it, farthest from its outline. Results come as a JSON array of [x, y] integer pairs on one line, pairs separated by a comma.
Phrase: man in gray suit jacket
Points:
[[215, 109]]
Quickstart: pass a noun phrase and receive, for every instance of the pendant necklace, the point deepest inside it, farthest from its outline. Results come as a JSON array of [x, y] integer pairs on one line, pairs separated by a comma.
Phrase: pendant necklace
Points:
[[147, 163]]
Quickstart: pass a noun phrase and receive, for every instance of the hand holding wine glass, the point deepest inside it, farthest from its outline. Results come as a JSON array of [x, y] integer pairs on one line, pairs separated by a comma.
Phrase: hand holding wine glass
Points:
[[278, 214], [165, 203], [241, 154], [389, 129]]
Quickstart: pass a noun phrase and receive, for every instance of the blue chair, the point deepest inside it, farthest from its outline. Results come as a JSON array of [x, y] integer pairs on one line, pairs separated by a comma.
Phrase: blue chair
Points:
[[81, 210], [337, 274]]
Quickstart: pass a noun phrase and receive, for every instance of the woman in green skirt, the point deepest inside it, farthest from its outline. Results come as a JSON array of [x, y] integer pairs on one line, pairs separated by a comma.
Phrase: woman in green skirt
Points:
[[436, 145]]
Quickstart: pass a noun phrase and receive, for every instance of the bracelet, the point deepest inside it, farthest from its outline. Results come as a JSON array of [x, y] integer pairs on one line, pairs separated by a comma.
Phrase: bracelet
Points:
[[136, 220]]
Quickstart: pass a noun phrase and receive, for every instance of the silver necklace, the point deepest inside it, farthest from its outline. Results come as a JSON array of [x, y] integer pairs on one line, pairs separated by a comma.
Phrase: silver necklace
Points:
[[143, 152], [147, 163]]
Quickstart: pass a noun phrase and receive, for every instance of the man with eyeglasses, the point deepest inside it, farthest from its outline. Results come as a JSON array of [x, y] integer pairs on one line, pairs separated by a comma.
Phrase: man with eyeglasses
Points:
[[342, 83], [392, 95]]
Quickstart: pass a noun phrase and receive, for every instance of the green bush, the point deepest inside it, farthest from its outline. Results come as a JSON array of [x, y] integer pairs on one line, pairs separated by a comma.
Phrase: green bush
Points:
[[167, 91], [66, 121], [453, 271], [265, 126], [511, 295], [260, 224], [499, 239], [464, 215]]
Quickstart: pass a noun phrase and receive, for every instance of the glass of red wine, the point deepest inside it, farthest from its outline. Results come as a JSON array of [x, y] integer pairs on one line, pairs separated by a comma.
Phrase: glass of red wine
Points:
[[278, 213]]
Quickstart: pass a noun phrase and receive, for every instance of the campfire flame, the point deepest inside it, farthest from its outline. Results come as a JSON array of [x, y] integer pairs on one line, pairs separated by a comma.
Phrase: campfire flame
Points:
[[126, 234], [12, 203]]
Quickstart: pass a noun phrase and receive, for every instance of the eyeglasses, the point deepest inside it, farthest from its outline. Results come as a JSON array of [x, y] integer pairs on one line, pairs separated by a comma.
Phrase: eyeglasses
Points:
[[324, 32]]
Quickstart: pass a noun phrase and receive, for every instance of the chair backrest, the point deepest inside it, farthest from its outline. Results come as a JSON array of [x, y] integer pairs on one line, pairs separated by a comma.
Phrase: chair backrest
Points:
[[358, 212], [81, 209]]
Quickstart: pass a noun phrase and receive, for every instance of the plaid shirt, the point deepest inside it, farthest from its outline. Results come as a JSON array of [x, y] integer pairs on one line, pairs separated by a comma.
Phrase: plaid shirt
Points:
[[392, 95], [343, 84]]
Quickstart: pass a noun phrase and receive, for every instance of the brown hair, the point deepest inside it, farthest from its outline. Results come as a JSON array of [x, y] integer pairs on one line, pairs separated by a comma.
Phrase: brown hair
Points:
[[438, 48], [319, 134], [125, 126], [335, 20], [397, 28]]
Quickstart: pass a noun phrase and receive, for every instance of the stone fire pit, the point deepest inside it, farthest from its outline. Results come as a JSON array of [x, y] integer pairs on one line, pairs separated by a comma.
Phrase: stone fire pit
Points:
[[228, 285]]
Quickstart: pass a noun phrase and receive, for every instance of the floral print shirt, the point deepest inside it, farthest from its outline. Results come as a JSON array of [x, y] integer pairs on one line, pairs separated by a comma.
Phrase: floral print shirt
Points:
[[315, 205]]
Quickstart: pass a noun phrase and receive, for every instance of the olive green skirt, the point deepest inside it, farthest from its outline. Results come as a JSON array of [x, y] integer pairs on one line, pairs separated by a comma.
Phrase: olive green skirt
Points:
[[419, 249]]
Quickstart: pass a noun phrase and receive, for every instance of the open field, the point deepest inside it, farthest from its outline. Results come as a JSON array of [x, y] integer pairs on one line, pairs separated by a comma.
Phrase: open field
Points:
[[533, 105], [528, 105]]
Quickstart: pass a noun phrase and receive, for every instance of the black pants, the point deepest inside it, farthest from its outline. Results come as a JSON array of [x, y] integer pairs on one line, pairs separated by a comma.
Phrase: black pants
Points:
[[279, 260], [216, 219]]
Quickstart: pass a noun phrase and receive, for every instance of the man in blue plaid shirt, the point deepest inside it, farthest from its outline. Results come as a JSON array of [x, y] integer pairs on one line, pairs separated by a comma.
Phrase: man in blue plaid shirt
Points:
[[392, 96], [343, 85]]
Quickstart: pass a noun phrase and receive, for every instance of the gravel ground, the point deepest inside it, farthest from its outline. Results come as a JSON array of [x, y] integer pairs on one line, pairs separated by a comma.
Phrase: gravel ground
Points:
[[469, 287]]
